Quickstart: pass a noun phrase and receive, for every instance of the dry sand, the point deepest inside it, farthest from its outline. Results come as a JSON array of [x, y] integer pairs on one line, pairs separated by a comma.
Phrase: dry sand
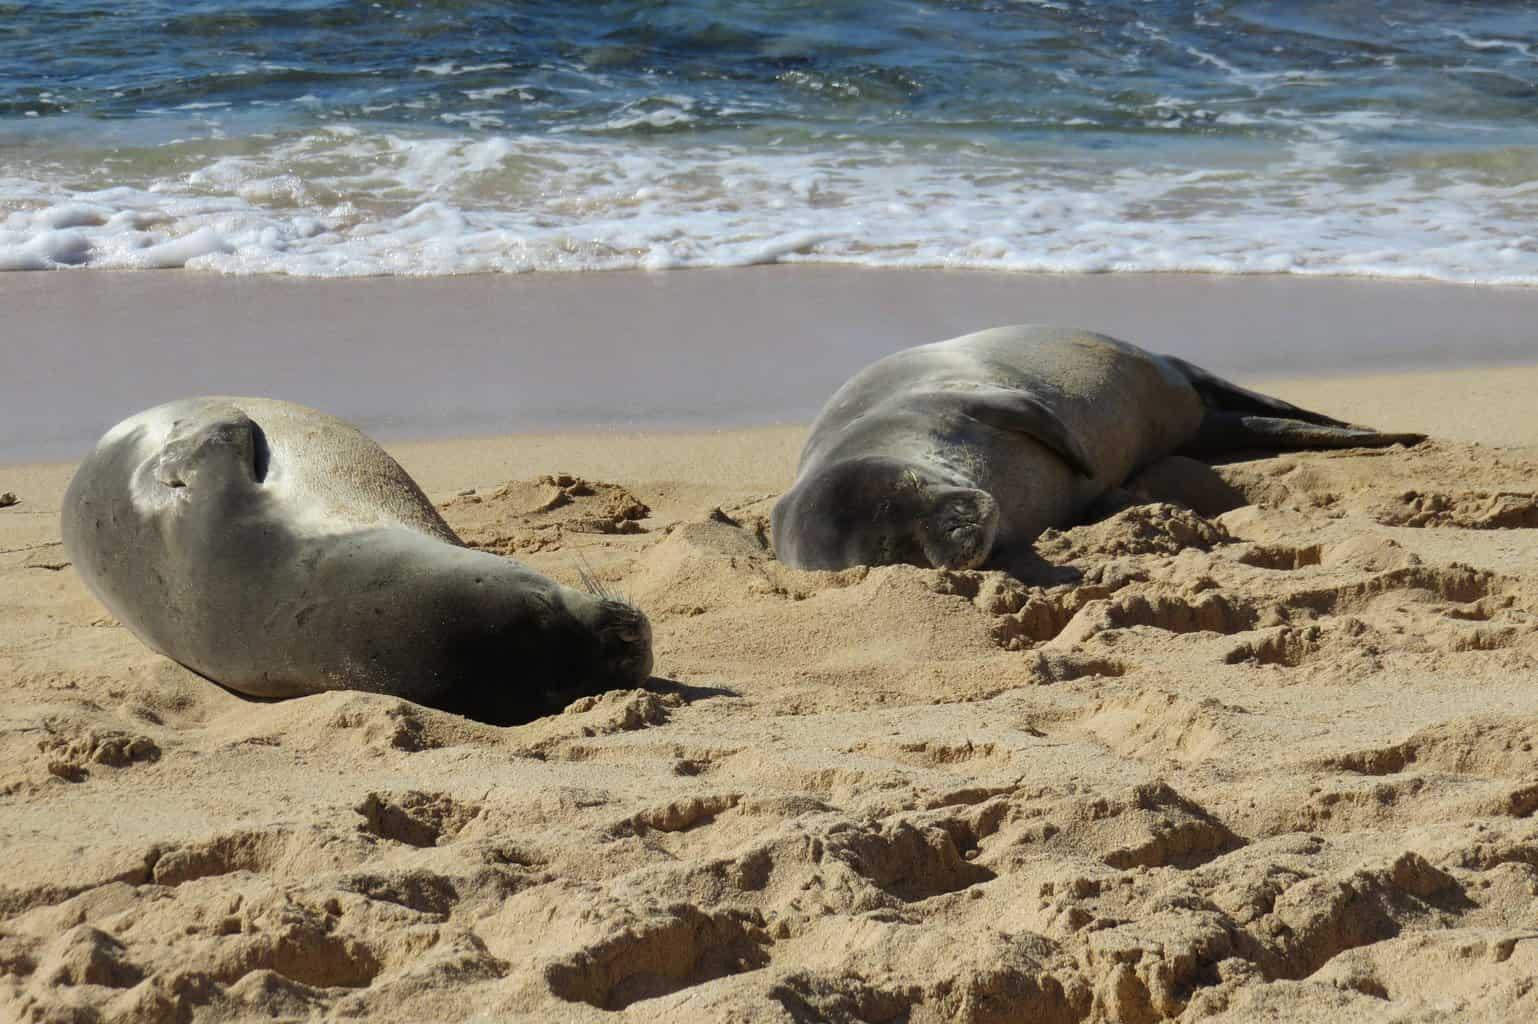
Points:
[[1273, 758]]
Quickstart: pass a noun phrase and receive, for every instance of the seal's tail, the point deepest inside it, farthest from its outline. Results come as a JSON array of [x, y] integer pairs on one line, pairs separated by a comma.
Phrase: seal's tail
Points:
[[1238, 418], [1232, 431]]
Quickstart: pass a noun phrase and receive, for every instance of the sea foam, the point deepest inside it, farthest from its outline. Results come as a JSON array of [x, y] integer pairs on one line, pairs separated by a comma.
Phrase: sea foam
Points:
[[349, 202], [339, 138]]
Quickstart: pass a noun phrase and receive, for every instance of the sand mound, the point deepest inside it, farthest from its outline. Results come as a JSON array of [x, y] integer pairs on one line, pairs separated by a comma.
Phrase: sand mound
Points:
[[1263, 743], [536, 515]]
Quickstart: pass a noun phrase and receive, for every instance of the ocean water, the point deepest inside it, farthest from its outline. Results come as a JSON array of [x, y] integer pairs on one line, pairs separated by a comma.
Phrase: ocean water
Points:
[[347, 137]]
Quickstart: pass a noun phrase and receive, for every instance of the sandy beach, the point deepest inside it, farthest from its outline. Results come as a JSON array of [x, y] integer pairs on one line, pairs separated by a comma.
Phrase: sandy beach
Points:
[[1261, 747]]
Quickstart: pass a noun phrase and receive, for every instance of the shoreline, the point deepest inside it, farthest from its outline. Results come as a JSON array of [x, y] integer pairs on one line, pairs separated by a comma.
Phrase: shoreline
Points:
[[683, 350]]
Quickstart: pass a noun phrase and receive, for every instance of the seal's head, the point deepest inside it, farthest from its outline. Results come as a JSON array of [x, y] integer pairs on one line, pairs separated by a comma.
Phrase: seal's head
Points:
[[875, 510], [446, 626], [621, 635], [521, 651]]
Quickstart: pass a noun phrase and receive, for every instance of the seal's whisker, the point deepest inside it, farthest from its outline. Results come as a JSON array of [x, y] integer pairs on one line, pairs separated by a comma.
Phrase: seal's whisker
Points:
[[599, 589], [590, 580]]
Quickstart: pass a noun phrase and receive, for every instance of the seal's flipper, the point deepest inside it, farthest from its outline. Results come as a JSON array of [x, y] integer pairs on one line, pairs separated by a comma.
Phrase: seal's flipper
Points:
[[1231, 431], [1222, 396], [214, 447], [1011, 409]]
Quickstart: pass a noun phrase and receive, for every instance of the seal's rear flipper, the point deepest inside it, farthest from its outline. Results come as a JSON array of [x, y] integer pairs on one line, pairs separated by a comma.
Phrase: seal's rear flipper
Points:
[[1232, 431], [1222, 396]]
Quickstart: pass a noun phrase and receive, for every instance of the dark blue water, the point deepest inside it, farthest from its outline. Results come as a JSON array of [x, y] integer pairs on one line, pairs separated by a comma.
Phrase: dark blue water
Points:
[[320, 137]]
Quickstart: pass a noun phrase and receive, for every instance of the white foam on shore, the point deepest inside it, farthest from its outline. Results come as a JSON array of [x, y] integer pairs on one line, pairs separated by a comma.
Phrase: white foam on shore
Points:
[[344, 202]]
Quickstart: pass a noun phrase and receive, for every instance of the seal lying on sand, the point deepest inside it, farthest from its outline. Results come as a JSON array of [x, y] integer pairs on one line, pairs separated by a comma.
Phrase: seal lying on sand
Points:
[[278, 552], [959, 453]]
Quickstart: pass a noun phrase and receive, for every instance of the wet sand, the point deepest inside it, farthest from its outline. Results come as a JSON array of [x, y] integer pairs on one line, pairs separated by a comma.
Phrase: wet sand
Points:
[[455, 357]]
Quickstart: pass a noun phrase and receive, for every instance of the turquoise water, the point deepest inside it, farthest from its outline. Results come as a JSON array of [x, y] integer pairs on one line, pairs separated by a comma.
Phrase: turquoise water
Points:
[[331, 138]]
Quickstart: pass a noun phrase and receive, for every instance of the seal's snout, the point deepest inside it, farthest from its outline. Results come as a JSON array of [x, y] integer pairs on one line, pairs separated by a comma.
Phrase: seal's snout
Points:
[[633, 634], [959, 531], [636, 667], [627, 640]]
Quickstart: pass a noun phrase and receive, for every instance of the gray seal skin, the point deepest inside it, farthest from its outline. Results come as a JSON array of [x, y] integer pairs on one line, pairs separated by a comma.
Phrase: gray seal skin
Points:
[[278, 552], [960, 453]]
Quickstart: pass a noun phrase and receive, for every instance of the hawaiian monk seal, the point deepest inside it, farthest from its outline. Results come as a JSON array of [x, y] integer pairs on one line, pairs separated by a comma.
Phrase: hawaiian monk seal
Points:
[[960, 453], [278, 552]]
